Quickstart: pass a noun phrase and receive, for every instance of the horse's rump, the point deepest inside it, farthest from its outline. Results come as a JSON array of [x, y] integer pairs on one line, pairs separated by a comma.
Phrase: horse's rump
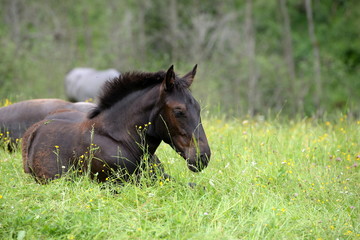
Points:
[[48, 147], [26, 144]]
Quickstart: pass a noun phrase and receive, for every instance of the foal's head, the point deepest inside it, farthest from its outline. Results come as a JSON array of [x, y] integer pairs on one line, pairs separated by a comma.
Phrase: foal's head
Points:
[[179, 122]]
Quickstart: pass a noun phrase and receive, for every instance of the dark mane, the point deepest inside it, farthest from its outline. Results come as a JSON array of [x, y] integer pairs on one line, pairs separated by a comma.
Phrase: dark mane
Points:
[[118, 88]]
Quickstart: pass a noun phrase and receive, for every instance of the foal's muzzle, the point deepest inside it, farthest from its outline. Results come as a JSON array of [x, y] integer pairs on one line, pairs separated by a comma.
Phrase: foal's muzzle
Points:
[[199, 163]]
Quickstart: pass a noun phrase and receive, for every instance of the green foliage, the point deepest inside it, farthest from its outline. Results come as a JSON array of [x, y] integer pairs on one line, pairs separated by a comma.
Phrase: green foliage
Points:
[[42, 40], [274, 179]]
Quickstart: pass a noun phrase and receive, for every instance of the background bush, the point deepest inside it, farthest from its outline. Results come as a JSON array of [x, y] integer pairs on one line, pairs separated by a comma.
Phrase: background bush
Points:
[[254, 56]]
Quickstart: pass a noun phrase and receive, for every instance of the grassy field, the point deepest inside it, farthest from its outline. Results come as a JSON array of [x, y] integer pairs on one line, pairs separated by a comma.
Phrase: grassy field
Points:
[[266, 180]]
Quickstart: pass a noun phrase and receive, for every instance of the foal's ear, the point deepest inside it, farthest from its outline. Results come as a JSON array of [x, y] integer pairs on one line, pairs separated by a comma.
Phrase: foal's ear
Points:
[[170, 79], [189, 77]]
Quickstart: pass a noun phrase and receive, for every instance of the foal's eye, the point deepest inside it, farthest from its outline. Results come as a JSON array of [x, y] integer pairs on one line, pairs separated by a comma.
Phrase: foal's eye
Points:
[[178, 112]]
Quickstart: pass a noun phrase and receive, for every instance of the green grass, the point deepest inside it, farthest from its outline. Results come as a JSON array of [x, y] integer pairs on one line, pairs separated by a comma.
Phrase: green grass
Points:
[[266, 180]]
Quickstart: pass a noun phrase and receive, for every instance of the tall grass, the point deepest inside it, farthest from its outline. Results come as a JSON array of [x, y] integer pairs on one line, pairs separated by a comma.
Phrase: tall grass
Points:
[[266, 180]]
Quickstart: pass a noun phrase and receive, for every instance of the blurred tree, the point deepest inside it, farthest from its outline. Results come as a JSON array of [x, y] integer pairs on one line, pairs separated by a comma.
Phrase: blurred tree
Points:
[[253, 56], [316, 52], [289, 56], [253, 96]]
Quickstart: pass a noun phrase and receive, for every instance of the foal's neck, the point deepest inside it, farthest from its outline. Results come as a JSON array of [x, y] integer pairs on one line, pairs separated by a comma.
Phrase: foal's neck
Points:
[[131, 117]]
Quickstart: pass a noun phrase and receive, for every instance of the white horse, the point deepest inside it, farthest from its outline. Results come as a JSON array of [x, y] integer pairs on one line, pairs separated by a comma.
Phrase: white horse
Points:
[[82, 84]]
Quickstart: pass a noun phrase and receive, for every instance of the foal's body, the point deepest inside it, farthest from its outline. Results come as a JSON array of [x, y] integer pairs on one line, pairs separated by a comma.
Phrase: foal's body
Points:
[[136, 112], [89, 139]]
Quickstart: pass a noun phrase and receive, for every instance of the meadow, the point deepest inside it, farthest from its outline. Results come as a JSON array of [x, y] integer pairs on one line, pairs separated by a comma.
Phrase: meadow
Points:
[[267, 179]]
